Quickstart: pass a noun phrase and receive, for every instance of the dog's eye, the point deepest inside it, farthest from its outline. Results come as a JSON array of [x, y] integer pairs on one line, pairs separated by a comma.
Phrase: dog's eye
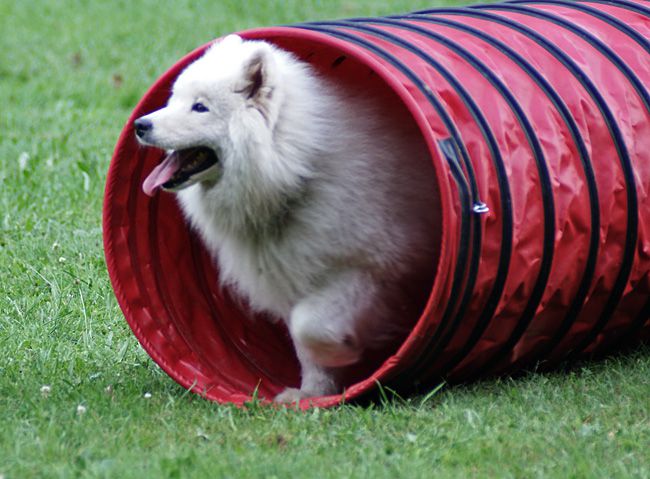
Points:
[[199, 107]]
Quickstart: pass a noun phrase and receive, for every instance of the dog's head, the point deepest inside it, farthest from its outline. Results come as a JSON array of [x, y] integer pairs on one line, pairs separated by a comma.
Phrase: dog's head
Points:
[[231, 84]]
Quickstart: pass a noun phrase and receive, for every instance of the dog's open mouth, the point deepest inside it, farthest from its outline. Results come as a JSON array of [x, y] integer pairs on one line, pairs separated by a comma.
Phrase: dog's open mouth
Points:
[[180, 169]]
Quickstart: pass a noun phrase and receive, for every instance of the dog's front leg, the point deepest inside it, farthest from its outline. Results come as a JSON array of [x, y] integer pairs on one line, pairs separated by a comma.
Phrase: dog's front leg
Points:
[[315, 381], [323, 327]]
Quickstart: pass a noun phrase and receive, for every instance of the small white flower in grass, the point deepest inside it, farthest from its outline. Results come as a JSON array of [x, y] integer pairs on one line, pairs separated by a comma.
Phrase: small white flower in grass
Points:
[[81, 410], [587, 430], [147, 395], [410, 437], [45, 390], [86, 180], [55, 245], [62, 259], [23, 160]]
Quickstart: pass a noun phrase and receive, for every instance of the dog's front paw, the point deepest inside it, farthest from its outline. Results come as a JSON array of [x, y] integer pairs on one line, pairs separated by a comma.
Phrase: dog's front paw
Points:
[[316, 384], [290, 396]]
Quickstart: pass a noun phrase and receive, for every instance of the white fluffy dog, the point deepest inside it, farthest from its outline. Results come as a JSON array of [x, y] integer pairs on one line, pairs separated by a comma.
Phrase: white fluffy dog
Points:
[[315, 203]]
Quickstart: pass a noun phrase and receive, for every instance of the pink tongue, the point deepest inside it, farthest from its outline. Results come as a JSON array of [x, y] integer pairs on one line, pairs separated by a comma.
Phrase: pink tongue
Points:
[[161, 174]]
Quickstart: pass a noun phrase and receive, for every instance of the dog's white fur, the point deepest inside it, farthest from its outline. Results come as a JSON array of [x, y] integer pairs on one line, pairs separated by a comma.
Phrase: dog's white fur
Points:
[[322, 205]]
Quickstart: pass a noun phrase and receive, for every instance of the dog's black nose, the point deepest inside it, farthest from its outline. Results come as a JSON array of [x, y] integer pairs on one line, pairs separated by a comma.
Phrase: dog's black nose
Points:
[[142, 126]]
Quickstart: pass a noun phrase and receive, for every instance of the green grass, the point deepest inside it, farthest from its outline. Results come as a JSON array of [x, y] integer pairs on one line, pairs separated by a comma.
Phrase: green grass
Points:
[[70, 73]]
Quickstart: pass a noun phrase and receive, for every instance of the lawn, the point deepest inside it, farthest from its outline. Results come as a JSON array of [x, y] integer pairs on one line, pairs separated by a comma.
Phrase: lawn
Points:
[[80, 398]]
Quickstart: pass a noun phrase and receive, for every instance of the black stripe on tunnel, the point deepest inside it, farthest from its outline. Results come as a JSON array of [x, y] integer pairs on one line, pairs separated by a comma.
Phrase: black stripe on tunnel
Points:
[[465, 198], [611, 20], [547, 198], [625, 4], [626, 164], [584, 158]]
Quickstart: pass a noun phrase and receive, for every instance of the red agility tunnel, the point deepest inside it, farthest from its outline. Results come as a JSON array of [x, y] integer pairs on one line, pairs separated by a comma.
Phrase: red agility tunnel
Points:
[[537, 118]]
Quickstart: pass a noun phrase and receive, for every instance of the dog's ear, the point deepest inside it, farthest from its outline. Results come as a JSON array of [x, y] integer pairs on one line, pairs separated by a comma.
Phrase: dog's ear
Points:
[[257, 75], [231, 39]]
